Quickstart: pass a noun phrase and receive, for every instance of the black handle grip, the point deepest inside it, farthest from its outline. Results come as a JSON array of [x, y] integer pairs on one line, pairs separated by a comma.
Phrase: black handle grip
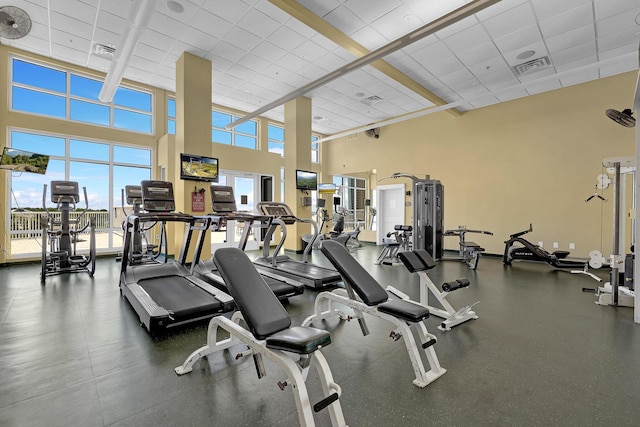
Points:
[[325, 402]]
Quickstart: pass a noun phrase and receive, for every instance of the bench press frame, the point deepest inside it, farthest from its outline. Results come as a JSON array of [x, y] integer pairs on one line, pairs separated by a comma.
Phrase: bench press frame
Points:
[[296, 372], [451, 316]]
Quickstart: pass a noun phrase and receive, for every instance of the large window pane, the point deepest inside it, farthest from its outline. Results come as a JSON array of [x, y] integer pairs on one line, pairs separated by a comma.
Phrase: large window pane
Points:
[[220, 120], [221, 137], [245, 141], [42, 144], [130, 120], [276, 147], [95, 177], [250, 127], [89, 112], [36, 102], [171, 108], [85, 88], [132, 156], [171, 127], [88, 150], [39, 76], [275, 133], [133, 99], [27, 188], [127, 175]]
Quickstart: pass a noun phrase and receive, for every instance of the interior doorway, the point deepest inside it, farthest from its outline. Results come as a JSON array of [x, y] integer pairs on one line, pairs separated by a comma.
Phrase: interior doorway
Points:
[[390, 209]]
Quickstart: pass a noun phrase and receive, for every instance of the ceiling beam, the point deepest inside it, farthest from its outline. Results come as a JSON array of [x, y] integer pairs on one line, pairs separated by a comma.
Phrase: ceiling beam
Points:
[[444, 21], [310, 19]]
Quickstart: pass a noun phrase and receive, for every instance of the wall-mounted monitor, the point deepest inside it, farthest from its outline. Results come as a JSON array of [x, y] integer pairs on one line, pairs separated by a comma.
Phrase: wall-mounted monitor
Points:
[[198, 168], [306, 180], [23, 161]]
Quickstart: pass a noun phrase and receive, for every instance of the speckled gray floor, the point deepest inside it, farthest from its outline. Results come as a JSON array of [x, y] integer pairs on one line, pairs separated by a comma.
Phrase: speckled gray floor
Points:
[[542, 353]]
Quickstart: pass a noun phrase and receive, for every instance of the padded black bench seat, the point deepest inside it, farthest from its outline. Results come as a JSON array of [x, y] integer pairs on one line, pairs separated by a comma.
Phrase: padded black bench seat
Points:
[[299, 340], [471, 245], [418, 260], [406, 310]]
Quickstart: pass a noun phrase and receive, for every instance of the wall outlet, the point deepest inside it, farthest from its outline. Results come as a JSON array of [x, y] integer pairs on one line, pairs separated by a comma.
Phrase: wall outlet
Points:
[[555, 245], [541, 244], [572, 245]]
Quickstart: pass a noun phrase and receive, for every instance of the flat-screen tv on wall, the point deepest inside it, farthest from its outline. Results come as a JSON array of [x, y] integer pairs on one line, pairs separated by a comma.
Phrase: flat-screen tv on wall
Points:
[[306, 180], [198, 168], [23, 161]]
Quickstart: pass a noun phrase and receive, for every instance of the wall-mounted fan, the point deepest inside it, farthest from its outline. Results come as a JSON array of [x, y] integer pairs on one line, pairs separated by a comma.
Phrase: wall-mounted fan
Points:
[[624, 117], [15, 23], [373, 133]]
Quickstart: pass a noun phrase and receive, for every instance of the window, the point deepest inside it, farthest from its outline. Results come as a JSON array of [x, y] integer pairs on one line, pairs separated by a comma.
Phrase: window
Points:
[[104, 168], [62, 94], [352, 193], [281, 185], [315, 149], [244, 135], [171, 115], [275, 137]]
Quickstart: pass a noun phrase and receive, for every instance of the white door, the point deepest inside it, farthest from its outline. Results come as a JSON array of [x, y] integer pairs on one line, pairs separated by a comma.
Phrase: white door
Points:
[[390, 209]]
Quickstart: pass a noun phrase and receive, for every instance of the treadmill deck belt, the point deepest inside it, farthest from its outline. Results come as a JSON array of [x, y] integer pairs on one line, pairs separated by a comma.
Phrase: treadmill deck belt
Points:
[[179, 296]]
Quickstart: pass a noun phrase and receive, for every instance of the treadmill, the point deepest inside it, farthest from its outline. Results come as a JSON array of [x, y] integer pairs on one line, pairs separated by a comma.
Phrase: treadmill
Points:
[[313, 276], [224, 210], [167, 295]]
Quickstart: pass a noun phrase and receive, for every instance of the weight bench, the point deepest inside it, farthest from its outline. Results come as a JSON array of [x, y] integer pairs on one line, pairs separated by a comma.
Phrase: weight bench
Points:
[[471, 254], [420, 262], [269, 333], [374, 300], [391, 248]]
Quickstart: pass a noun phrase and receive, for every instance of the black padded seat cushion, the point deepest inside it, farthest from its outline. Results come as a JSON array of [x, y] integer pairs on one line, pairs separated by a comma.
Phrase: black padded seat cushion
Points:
[[471, 245], [354, 274], [418, 260], [299, 340], [406, 310], [260, 308]]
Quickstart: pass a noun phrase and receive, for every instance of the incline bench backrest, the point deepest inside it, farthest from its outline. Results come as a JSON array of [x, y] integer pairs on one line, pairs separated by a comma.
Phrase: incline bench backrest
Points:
[[418, 260], [260, 308], [354, 274]]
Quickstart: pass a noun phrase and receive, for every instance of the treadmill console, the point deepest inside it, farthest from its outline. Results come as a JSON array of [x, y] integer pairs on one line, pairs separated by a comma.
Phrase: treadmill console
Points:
[[222, 199], [277, 210], [157, 196], [65, 191], [133, 194]]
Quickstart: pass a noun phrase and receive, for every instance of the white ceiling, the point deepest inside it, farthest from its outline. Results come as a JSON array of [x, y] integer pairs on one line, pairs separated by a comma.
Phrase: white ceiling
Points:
[[259, 53]]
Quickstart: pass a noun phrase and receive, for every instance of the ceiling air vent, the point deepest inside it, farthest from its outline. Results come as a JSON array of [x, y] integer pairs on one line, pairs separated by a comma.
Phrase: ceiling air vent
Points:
[[372, 100], [104, 49], [532, 66], [353, 135]]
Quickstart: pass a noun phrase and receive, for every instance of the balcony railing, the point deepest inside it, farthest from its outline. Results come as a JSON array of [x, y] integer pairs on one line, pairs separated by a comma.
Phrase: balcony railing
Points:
[[27, 224]]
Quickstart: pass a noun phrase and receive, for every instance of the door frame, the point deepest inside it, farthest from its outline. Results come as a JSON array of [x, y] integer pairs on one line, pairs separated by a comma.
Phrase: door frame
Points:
[[380, 234]]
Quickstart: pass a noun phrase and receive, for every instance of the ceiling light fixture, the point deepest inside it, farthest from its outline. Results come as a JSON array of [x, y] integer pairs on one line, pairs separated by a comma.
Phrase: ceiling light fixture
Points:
[[450, 18], [138, 19], [174, 6], [526, 54]]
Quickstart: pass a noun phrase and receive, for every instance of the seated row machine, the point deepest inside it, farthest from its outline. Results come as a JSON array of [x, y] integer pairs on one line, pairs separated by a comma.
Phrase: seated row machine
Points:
[[60, 234], [269, 333], [374, 301], [401, 242], [420, 262]]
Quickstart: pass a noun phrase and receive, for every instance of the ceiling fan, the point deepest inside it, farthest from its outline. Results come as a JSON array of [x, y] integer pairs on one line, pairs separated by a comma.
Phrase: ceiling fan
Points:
[[624, 117], [15, 23]]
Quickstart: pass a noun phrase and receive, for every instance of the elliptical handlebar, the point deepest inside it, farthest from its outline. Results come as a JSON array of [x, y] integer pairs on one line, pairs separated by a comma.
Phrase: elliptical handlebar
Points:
[[522, 233]]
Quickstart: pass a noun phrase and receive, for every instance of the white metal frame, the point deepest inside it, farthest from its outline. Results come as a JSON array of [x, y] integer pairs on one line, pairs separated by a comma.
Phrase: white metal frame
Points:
[[402, 330], [295, 368]]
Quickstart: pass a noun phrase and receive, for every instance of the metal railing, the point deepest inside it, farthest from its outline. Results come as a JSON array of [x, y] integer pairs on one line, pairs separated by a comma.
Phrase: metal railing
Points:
[[27, 224]]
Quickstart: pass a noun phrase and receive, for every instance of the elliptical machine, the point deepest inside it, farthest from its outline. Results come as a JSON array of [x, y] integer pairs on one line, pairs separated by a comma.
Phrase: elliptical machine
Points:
[[518, 248], [141, 251], [60, 235]]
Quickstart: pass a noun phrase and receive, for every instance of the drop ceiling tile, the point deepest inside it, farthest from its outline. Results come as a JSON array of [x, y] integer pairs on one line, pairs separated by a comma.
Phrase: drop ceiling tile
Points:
[[163, 83], [268, 51], [344, 20], [242, 39], [99, 63], [118, 8], [221, 9], [156, 39], [186, 16], [478, 54], [467, 39], [617, 23], [578, 36], [428, 11], [516, 40], [606, 8], [510, 20], [499, 8], [371, 10], [543, 87], [272, 11], [369, 38], [252, 62], [512, 94], [432, 53], [585, 50], [69, 54], [70, 25], [320, 7], [489, 66], [310, 51], [258, 23], [70, 40], [627, 40], [456, 77], [330, 62], [456, 27], [149, 53], [448, 65], [138, 75], [219, 65], [569, 20], [141, 63], [286, 38], [581, 77], [166, 71], [74, 9], [198, 39], [396, 23], [629, 64], [111, 23], [546, 9], [211, 24], [166, 25]]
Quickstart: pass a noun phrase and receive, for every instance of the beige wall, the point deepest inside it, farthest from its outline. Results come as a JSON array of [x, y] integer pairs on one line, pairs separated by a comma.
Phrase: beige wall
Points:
[[532, 160]]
